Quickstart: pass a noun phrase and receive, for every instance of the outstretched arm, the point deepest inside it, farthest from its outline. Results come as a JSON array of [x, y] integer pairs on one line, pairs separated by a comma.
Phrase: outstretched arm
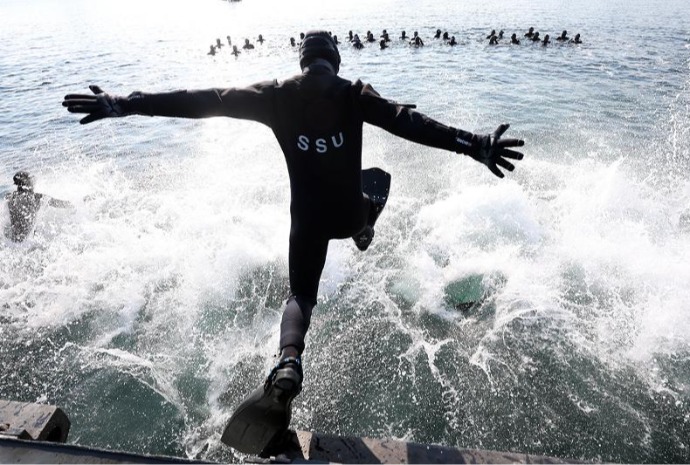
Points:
[[59, 203], [253, 103], [403, 121]]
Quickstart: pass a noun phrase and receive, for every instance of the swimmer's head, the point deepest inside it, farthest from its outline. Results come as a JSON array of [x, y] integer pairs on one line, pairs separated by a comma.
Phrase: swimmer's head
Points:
[[319, 44], [24, 180]]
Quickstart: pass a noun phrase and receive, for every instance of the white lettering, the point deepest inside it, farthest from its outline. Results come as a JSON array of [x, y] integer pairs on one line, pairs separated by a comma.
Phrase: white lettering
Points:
[[321, 144], [337, 144]]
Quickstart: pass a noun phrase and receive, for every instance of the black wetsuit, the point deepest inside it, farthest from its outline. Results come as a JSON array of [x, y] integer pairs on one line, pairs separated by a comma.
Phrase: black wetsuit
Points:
[[317, 118]]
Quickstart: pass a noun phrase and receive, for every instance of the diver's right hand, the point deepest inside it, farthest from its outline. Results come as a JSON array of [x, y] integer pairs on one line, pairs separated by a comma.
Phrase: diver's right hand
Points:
[[98, 106]]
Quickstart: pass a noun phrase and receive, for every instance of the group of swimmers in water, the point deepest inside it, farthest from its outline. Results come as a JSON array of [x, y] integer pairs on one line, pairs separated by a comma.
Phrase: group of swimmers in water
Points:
[[215, 48], [531, 36]]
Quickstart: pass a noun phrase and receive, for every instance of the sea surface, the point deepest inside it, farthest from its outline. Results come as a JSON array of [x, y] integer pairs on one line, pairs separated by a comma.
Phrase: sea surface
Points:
[[545, 313]]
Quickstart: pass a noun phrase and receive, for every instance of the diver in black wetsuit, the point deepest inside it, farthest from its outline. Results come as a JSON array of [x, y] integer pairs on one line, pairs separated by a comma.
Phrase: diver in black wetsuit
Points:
[[530, 32], [514, 39], [24, 204], [317, 118], [563, 37]]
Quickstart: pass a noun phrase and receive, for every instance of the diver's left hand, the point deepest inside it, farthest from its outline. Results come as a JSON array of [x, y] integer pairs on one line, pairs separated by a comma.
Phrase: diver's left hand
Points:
[[492, 151]]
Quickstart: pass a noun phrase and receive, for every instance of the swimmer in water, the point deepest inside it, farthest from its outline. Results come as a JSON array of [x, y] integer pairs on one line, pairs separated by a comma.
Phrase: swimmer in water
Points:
[[500, 34], [438, 34], [452, 41], [212, 51], [247, 45], [235, 51], [416, 40], [24, 204], [546, 41], [383, 44], [576, 39], [445, 36], [370, 37], [563, 37], [218, 44], [292, 42], [535, 37], [403, 36], [493, 40], [335, 39], [350, 37], [356, 43], [229, 41], [530, 33], [514, 39], [493, 33], [385, 37], [260, 39]]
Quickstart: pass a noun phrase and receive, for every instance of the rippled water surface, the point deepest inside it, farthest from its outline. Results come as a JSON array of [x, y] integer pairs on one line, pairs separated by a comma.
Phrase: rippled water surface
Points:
[[150, 309]]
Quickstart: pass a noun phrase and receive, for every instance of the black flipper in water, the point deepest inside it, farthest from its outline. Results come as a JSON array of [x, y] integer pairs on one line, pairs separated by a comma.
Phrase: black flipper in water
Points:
[[376, 183]]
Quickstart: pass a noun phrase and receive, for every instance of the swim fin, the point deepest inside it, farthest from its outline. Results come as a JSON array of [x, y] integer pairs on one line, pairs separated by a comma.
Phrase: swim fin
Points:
[[376, 183], [262, 419]]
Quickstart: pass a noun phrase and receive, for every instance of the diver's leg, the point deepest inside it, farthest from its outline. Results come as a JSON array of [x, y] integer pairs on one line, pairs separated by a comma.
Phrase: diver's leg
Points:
[[306, 260]]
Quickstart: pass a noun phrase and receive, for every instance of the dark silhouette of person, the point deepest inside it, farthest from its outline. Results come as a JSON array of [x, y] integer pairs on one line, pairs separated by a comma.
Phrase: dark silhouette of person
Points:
[[403, 36], [452, 41], [229, 41], [445, 36], [493, 40], [235, 51], [356, 43], [212, 51], [546, 41], [535, 37], [24, 205], [438, 34], [292, 41], [335, 39], [530, 33], [260, 39], [563, 36], [350, 37], [416, 40], [247, 45], [514, 39], [370, 37], [218, 44], [317, 118], [491, 34], [500, 34], [383, 44], [576, 39], [384, 36]]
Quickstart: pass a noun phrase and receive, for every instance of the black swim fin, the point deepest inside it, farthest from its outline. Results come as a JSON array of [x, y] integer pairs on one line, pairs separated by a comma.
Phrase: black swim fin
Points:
[[262, 419], [376, 183]]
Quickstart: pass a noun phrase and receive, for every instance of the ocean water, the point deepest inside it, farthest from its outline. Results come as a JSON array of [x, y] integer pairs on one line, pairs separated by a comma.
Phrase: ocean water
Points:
[[152, 307]]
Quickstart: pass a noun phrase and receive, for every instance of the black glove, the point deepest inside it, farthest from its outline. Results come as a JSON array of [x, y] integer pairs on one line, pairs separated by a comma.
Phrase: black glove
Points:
[[490, 149], [98, 106]]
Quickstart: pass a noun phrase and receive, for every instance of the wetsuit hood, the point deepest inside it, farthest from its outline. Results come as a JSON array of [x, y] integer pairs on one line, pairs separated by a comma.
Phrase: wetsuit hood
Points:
[[24, 180], [318, 44]]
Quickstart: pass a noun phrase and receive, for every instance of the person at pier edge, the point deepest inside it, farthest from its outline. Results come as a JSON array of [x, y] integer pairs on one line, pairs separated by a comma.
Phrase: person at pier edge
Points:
[[24, 204], [317, 118]]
